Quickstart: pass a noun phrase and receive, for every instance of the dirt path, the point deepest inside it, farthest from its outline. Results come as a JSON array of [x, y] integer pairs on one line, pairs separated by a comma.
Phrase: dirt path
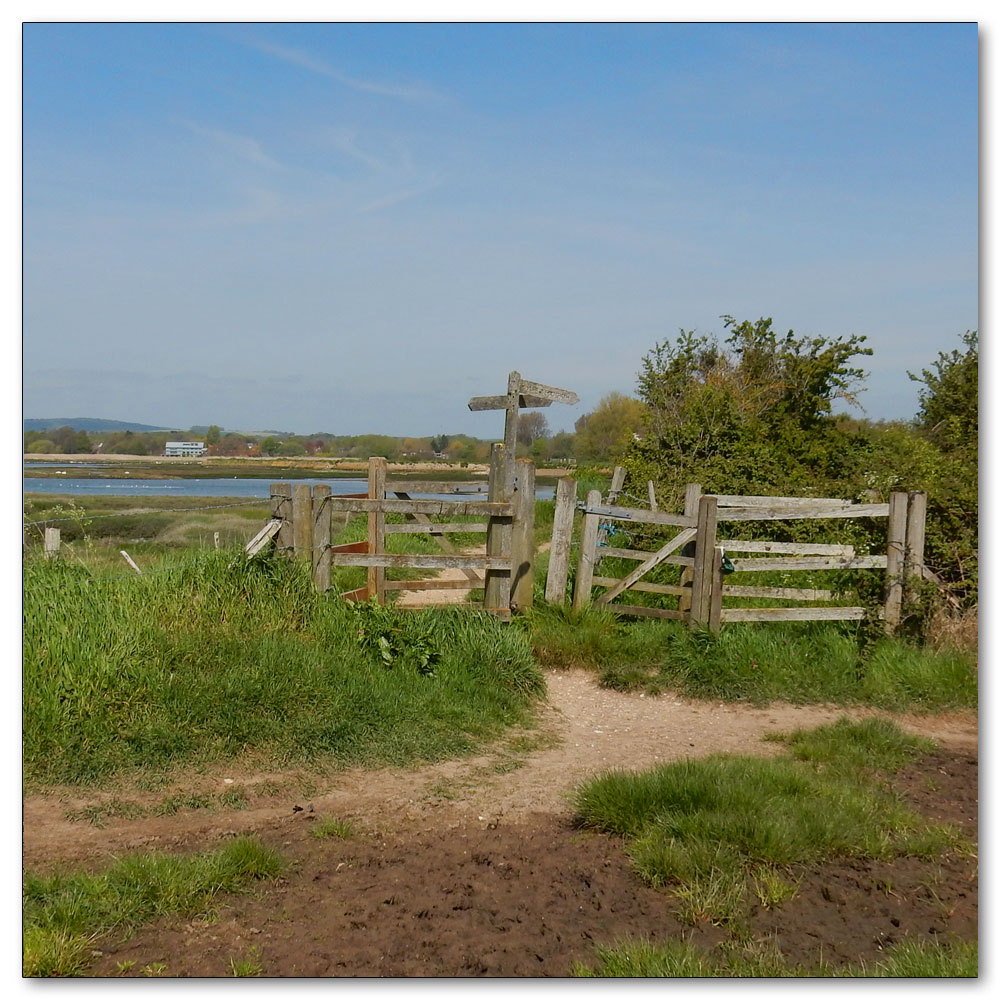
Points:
[[583, 729]]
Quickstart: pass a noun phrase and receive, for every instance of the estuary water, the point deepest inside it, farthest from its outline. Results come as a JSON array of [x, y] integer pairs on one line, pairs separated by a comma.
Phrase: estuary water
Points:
[[231, 487]]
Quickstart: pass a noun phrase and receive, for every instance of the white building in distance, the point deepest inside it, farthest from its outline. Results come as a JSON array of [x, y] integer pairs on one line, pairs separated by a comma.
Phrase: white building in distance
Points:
[[184, 449]]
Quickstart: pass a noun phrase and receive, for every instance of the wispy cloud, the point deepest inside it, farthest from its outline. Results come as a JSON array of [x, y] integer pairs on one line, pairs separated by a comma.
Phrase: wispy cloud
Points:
[[416, 92], [344, 140], [240, 146], [397, 198]]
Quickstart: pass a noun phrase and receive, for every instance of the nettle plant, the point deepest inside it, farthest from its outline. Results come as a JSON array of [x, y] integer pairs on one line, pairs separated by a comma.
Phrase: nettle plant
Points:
[[394, 639]]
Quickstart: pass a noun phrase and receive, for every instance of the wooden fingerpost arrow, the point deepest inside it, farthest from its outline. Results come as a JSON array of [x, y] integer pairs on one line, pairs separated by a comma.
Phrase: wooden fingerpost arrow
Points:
[[521, 394]]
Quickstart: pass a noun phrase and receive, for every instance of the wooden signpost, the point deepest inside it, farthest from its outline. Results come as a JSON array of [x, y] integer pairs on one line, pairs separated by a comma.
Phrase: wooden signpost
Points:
[[521, 395]]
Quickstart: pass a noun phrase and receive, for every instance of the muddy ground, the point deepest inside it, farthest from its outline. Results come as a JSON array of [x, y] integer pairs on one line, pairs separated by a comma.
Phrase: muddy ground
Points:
[[475, 867]]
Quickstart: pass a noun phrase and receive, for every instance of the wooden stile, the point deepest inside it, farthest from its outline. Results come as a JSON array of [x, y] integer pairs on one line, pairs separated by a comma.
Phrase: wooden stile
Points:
[[652, 562]]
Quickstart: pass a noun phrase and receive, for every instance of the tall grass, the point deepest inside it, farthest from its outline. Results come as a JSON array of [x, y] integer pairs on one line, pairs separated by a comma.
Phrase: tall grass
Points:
[[681, 959], [221, 655], [64, 912], [795, 662], [708, 826]]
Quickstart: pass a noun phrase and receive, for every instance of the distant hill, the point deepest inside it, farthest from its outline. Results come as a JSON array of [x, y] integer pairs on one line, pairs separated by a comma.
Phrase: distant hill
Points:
[[87, 424]]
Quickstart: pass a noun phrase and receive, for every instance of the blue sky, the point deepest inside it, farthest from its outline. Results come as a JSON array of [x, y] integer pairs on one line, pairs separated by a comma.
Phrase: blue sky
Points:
[[354, 228]]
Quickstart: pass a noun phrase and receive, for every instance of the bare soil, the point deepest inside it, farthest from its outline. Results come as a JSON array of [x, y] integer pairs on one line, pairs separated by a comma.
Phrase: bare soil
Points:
[[475, 868]]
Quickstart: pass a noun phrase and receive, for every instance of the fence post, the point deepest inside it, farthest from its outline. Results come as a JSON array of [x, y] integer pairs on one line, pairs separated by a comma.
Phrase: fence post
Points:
[[692, 492], [895, 560], [715, 605], [322, 557], [52, 541], [376, 527], [302, 522], [588, 553], [916, 521], [496, 597], [522, 587], [562, 540], [701, 582], [281, 510]]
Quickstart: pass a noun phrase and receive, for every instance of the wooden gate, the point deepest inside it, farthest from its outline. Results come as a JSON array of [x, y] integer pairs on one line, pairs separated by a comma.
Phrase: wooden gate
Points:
[[706, 566]]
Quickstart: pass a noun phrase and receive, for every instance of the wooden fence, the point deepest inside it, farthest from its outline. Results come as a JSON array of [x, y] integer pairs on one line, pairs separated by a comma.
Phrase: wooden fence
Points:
[[704, 557], [301, 524]]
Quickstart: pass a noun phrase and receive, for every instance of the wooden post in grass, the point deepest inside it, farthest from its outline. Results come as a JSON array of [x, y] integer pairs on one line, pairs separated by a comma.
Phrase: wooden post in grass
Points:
[[692, 493], [322, 517], [522, 586], [52, 541], [562, 540], [916, 523], [376, 526], [715, 603], [496, 596], [895, 560], [281, 510], [588, 549], [701, 582], [302, 522]]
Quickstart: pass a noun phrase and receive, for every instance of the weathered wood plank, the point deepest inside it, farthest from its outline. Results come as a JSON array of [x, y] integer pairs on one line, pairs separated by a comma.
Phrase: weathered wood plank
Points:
[[53, 539], [522, 581], [682, 538], [500, 402], [803, 512], [322, 523], [496, 596], [778, 593], [361, 594], [432, 528], [701, 582], [432, 584], [130, 561], [588, 543], [377, 467], [692, 494], [453, 508], [302, 522], [260, 541], [715, 598], [895, 559], [433, 560], [641, 612], [428, 486], [805, 562], [792, 614], [916, 520], [646, 588], [542, 391], [737, 500], [361, 546], [425, 522], [652, 496], [562, 541], [611, 552], [281, 511], [788, 548], [639, 516]]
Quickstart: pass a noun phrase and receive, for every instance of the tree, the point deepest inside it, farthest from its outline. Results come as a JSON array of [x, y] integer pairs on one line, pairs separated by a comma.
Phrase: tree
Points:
[[607, 431], [269, 446], [440, 443], [530, 427], [752, 415], [949, 401], [213, 435]]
